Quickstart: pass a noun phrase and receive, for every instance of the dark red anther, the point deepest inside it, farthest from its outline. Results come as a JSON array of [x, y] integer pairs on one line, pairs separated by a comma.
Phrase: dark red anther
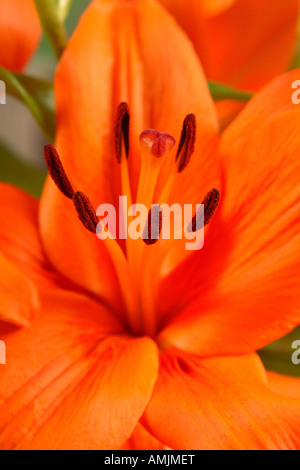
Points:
[[122, 130], [85, 211], [57, 171], [210, 203], [187, 142], [154, 226], [84, 208]]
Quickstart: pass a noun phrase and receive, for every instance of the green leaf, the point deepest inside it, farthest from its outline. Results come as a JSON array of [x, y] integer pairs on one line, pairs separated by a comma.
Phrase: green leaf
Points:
[[13, 171], [219, 91], [37, 95], [278, 356], [51, 13]]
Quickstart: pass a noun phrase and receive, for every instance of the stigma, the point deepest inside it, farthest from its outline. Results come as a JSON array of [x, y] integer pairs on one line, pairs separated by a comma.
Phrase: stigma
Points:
[[157, 143]]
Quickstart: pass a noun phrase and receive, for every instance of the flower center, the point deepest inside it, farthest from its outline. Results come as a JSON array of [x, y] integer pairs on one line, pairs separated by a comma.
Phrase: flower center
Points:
[[132, 262]]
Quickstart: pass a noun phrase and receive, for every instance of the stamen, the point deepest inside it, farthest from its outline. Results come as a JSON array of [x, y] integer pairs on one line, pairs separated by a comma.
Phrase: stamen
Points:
[[122, 130], [57, 171], [210, 202], [154, 225], [187, 142], [85, 211]]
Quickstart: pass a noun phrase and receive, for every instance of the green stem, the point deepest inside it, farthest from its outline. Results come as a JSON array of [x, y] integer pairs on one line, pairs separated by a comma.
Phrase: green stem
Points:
[[219, 91], [63, 9], [52, 24], [37, 95]]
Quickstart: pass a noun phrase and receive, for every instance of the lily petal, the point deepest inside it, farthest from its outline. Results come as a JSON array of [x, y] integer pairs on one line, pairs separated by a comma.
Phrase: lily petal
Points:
[[20, 33], [142, 440], [68, 384], [243, 44], [18, 296], [20, 240], [214, 7], [24, 269], [284, 384], [112, 58], [196, 7], [220, 404], [245, 294]]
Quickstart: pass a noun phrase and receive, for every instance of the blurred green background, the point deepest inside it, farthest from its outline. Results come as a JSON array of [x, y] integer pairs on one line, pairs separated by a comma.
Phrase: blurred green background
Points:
[[22, 164]]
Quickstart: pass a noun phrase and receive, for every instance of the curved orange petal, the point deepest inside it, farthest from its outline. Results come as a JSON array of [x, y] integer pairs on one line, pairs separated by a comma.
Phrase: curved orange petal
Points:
[[142, 440], [113, 57], [245, 44], [18, 296], [19, 235], [69, 384], [284, 384], [206, 8], [268, 33], [215, 7], [220, 404], [241, 291], [76, 253], [20, 33], [24, 269], [227, 111]]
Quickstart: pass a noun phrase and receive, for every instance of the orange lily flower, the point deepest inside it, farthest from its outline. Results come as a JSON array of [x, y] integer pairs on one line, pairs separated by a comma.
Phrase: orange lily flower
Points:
[[244, 43], [20, 33], [139, 345]]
